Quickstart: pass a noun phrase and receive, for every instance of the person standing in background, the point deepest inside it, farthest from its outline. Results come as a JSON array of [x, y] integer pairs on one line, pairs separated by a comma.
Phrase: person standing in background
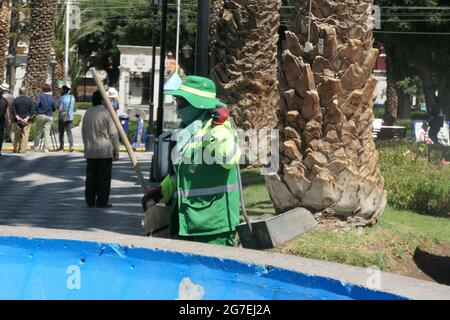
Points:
[[5, 93], [21, 115], [44, 107], [114, 96], [436, 120], [65, 117], [101, 148], [3, 119]]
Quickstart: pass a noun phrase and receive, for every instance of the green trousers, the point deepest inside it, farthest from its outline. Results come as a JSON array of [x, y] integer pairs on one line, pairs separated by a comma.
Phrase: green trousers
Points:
[[43, 125], [222, 239]]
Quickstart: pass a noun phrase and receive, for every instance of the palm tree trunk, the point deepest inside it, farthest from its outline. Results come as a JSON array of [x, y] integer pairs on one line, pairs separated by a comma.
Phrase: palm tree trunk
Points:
[[41, 43], [217, 8], [13, 41], [391, 105], [404, 106], [5, 16], [329, 162], [244, 59]]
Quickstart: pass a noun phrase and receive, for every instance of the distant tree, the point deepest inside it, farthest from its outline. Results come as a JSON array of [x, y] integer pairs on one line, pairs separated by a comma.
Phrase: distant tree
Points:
[[411, 36], [132, 25], [41, 43], [5, 16], [89, 25]]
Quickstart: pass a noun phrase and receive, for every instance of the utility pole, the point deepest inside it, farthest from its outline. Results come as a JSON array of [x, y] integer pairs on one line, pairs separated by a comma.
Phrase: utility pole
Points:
[[162, 70], [202, 56], [178, 35], [66, 55]]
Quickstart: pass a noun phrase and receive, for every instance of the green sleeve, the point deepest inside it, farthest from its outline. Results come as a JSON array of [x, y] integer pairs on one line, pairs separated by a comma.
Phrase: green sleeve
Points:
[[224, 144], [168, 188]]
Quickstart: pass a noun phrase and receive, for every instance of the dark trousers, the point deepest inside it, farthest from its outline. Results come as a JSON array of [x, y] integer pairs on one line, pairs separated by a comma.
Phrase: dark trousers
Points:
[[98, 182], [435, 127], [2, 132], [65, 126]]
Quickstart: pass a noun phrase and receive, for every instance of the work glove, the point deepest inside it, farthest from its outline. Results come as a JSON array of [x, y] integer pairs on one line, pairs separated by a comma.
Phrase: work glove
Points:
[[154, 194], [220, 115]]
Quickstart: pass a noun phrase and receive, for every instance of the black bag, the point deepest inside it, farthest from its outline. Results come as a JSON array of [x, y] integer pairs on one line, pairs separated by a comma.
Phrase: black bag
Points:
[[64, 117]]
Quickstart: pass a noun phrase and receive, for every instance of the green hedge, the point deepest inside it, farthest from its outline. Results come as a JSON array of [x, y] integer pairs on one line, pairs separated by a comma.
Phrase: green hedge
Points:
[[414, 178], [379, 113], [82, 105], [132, 129]]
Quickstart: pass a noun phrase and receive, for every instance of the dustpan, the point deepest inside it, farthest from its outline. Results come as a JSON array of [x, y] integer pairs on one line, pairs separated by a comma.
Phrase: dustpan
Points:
[[272, 231]]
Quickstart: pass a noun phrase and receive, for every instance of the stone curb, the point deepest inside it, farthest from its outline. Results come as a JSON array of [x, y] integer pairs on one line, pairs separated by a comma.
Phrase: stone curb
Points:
[[399, 285]]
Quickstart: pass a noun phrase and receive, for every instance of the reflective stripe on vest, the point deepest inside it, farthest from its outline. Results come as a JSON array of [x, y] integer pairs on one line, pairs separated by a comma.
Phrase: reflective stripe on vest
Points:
[[209, 191]]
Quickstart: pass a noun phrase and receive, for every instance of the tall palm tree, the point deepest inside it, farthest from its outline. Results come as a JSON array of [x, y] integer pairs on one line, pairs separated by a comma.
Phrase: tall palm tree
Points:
[[244, 59], [5, 16], [216, 13], [41, 43], [328, 159]]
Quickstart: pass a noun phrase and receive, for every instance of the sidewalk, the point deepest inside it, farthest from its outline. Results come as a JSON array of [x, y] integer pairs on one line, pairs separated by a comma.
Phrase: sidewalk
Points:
[[46, 190]]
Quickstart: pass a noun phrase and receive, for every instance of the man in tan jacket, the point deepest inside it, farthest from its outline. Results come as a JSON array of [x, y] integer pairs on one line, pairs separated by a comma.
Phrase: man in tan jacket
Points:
[[101, 147]]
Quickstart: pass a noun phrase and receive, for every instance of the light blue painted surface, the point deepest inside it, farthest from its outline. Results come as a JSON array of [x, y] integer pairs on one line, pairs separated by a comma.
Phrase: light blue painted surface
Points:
[[38, 269]]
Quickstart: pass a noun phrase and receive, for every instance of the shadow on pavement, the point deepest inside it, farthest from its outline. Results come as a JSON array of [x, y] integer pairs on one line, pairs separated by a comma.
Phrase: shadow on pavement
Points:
[[47, 191]]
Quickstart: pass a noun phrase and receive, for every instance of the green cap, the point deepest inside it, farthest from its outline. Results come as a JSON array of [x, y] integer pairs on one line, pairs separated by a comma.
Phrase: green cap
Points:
[[199, 92]]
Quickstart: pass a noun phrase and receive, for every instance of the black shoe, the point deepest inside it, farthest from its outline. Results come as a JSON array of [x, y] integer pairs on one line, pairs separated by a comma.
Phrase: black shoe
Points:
[[105, 206], [90, 206]]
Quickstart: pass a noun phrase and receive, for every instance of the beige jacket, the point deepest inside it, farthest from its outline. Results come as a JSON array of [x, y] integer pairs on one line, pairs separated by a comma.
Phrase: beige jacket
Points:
[[100, 136]]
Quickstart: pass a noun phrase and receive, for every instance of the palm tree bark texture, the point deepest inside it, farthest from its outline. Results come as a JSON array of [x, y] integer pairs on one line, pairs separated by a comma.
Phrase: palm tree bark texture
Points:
[[391, 104], [244, 37], [41, 43], [328, 159], [5, 16]]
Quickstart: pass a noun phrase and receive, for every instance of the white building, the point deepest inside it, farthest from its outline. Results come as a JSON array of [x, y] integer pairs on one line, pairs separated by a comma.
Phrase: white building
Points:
[[134, 84]]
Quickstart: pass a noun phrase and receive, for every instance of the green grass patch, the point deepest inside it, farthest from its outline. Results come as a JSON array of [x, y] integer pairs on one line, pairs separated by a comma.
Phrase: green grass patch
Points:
[[82, 105], [378, 113], [256, 195], [388, 245]]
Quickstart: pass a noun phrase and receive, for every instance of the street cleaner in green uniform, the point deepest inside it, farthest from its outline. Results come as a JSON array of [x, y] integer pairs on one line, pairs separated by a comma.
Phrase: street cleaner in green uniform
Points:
[[202, 198]]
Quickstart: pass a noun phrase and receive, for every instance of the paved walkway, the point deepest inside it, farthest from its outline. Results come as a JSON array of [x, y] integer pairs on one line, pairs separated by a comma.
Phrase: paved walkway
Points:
[[47, 191], [76, 132]]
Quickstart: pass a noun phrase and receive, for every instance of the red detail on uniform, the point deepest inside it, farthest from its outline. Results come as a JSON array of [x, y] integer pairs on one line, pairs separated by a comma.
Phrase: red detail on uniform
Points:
[[220, 116]]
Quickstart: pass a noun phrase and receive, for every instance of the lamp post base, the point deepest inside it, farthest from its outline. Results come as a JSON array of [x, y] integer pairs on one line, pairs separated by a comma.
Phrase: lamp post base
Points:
[[150, 145]]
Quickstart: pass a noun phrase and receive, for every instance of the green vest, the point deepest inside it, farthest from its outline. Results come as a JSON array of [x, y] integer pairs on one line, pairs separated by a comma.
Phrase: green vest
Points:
[[206, 198]]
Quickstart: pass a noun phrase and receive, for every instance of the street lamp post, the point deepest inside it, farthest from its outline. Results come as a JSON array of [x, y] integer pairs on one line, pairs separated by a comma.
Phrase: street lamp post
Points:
[[202, 38], [88, 66], [151, 127], [53, 64]]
